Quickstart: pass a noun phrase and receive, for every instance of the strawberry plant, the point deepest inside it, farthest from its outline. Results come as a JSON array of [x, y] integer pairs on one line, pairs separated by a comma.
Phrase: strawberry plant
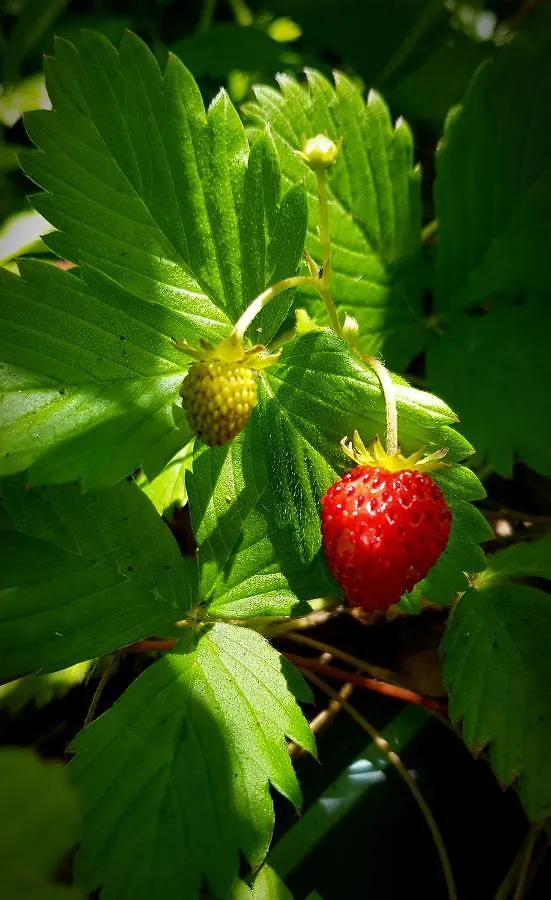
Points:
[[203, 452]]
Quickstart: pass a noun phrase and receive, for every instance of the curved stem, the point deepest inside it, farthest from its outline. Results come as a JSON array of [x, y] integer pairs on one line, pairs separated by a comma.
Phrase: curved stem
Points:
[[371, 684], [374, 671], [389, 394], [526, 856], [324, 284], [260, 302], [395, 760]]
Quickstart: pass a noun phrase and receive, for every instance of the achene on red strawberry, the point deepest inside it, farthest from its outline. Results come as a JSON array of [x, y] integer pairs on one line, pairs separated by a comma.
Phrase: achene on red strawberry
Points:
[[384, 525]]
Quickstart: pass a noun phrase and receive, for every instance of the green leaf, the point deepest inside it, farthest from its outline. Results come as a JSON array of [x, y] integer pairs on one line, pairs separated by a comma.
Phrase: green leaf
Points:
[[21, 234], [266, 886], [493, 186], [35, 19], [89, 380], [168, 234], [374, 205], [174, 796], [167, 491], [82, 575], [174, 226], [440, 80], [247, 566], [41, 689], [497, 671], [39, 823], [340, 798], [495, 369], [320, 392], [523, 560], [225, 47], [20, 98]]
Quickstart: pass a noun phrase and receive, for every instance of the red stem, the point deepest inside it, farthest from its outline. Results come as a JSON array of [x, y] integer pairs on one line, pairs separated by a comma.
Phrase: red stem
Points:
[[372, 684]]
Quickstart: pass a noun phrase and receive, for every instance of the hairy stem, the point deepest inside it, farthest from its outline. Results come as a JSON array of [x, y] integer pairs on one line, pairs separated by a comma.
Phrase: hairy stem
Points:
[[395, 760], [260, 302], [324, 284], [389, 394]]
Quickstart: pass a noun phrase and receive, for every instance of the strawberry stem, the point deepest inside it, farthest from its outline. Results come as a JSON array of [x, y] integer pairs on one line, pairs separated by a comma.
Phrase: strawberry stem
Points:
[[260, 302], [389, 394], [324, 232]]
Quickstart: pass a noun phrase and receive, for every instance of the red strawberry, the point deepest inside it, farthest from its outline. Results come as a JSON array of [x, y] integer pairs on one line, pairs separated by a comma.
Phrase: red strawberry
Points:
[[383, 530]]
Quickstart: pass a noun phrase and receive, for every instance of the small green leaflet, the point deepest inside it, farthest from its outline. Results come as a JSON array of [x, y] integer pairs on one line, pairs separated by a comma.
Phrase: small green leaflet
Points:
[[167, 491], [531, 559], [497, 671], [82, 575], [267, 885], [175, 224], [247, 566], [176, 775], [496, 370], [318, 393], [493, 187], [39, 823], [374, 205]]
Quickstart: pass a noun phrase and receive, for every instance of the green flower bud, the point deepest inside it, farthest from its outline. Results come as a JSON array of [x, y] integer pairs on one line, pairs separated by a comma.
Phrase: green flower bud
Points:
[[320, 152]]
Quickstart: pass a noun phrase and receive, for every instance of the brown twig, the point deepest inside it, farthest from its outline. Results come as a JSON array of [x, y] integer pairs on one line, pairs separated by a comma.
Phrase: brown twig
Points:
[[379, 687], [161, 646], [323, 719], [354, 661]]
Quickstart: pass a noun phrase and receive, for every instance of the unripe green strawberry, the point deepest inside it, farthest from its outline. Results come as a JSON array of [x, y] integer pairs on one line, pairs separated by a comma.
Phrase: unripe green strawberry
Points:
[[218, 398], [384, 526]]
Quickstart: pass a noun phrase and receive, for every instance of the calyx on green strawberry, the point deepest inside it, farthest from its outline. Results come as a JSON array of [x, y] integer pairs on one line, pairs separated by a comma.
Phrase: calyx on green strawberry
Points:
[[220, 390], [384, 524]]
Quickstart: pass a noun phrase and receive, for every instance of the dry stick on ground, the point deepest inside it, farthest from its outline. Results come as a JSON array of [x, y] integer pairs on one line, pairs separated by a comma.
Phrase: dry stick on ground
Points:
[[395, 760]]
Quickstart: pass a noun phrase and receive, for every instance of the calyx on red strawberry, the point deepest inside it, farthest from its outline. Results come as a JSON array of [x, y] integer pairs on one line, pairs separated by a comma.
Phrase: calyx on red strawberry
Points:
[[384, 524]]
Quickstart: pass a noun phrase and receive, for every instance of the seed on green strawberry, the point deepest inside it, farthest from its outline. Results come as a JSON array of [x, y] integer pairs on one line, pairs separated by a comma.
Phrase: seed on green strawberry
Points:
[[218, 398], [382, 532]]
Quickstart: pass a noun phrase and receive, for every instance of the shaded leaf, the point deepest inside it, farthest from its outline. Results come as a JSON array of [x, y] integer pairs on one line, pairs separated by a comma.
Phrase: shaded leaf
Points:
[[530, 559], [497, 670], [493, 186], [82, 575], [495, 369], [39, 823], [196, 772]]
